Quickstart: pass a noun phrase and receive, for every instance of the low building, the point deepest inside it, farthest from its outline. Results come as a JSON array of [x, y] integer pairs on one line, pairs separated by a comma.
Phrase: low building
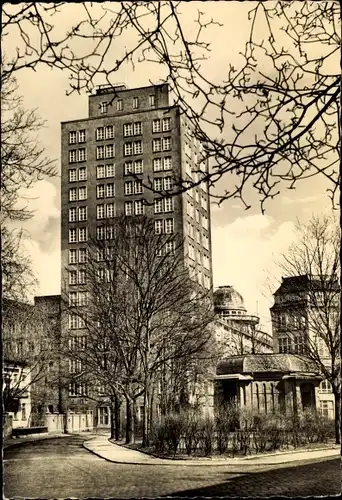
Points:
[[16, 392], [268, 382]]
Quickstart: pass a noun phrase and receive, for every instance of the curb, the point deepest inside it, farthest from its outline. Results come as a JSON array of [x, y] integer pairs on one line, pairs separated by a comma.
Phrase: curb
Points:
[[201, 463]]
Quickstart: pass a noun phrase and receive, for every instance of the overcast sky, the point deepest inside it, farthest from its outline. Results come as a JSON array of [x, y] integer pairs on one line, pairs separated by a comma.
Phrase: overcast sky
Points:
[[245, 243]]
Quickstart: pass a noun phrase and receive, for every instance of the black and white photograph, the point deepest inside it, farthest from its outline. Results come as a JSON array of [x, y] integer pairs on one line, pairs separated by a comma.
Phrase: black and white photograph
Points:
[[170, 249]]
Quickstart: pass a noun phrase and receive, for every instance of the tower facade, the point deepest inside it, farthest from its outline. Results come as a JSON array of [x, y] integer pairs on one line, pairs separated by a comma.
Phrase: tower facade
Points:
[[131, 139]]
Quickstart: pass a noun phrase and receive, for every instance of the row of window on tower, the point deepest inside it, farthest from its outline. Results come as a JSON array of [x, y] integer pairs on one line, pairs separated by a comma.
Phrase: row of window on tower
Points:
[[119, 104], [130, 167], [198, 256], [129, 130], [129, 149]]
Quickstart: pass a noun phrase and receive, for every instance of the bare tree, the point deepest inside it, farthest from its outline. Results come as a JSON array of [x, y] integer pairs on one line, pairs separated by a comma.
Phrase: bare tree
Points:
[[272, 122], [310, 322], [22, 163], [143, 307], [31, 348]]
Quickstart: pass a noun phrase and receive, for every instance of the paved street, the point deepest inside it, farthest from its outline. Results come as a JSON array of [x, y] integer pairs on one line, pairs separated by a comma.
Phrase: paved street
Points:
[[61, 468]]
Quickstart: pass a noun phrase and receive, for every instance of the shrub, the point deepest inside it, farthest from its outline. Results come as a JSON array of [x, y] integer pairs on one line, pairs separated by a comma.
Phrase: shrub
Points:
[[207, 434], [173, 428], [157, 436], [192, 425], [226, 420]]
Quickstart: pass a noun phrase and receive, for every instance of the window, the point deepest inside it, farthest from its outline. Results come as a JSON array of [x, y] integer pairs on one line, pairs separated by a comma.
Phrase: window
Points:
[[72, 215], [82, 193], [109, 132], [100, 152], [73, 256], [72, 277], [128, 129], [128, 167], [135, 102], [110, 170], [129, 187], [158, 184], [81, 277], [82, 234], [100, 171], [82, 174], [138, 166], [110, 232], [166, 143], [73, 175], [167, 183], [198, 236], [82, 255], [167, 163], [128, 207], [110, 210], [326, 409], [100, 191], [158, 226], [75, 365], [156, 145], [110, 190], [168, 204], [284, 345], [158, 206], [190, 230], [157, 164], [138, 148], [139, 207], [72, 299], [166, 124], [109, 150], [72, 137], [23, 411], [156, 126], [152, 100], [137, 128], [119, 106], [138, 187], [100, 211], [197, 216], [81, 136], [199, 257], [169, 247], [100, 133], [128, 148], [205, 241], [100, 233], [206, 262], [72, 156], [103, 107], [169, 226], [72, 236], [82, 213], [325, 387], [205, 222]]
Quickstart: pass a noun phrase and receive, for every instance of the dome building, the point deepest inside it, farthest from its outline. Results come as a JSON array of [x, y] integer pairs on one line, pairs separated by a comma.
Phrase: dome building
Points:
[[235, 330]]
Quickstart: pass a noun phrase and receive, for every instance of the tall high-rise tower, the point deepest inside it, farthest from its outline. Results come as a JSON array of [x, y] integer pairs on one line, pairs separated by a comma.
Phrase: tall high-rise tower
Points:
[[131, 137]]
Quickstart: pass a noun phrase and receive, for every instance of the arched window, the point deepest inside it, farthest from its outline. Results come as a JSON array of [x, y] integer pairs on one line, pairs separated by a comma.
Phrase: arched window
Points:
[[265, 397], [257, 397], [272, 396]]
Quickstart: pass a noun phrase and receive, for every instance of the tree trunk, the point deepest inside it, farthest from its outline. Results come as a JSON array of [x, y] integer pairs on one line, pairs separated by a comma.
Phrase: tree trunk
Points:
[[145, 416], [117, 407], [337, 395], [129, 420], [112, 418]]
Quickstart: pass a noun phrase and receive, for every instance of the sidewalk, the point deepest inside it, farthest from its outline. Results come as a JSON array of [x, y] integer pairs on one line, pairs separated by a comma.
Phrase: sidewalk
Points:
[[102, 447], [10, 442]]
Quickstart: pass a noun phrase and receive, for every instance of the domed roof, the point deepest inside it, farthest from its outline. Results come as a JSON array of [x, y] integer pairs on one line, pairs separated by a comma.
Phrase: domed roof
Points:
[[226, 297]]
